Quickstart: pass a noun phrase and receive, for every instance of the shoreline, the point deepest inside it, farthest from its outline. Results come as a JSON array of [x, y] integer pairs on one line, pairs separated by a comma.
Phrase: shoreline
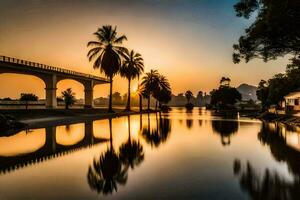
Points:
[[289, 120], [40, 118]]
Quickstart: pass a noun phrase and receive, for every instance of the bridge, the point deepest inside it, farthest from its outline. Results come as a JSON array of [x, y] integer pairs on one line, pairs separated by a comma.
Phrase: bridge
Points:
[[51, 76]]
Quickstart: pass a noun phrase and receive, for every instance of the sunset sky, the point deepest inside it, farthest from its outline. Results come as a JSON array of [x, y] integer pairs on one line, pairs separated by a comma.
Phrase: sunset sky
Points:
[[189, 41]]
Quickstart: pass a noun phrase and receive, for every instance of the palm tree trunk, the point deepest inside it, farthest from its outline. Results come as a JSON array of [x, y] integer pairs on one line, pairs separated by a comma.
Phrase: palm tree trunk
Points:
[[128, 98], [149, 103], [110, 133], [141, 102], [156, 105], [110, 95]]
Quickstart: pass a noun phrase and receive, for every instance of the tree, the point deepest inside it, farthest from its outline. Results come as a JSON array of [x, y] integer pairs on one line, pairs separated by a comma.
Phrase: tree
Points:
[[188, 95], [105, 52], [162, 92], [262, 94], [132, 67], [200, 98], [225, 96], [149, 84], [116, 97], [275, 31], [225, 81], [28, 97], [69, 97]]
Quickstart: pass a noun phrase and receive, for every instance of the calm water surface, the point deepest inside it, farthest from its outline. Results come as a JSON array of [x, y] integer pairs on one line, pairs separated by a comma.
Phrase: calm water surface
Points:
[[178, 155]]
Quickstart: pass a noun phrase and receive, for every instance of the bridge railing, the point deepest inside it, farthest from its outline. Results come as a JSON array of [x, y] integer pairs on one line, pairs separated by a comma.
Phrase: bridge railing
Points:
[[47, 67]]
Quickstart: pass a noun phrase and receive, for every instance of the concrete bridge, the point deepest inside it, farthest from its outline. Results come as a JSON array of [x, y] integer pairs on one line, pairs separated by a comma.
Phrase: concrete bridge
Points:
[[51, 76]]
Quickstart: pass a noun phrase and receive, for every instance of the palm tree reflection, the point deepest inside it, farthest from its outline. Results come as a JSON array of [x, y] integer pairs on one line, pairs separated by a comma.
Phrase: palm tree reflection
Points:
[[225, 129], [107, 172], [158, 134], [131, 152]]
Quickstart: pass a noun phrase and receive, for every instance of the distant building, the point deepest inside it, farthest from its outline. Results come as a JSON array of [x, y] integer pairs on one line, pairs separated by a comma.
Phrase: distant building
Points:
[[292, 101]]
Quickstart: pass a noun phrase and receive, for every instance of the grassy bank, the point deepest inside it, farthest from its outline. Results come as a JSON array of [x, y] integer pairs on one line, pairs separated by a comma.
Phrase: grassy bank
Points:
[[285, 119]]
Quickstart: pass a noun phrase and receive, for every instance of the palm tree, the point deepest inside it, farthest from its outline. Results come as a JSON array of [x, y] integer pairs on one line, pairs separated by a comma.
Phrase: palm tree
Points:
[[105, 52], [69, 97], [162, 92], [132, 67], [105, 174], [131, 153], [188, 95], [149, 84]]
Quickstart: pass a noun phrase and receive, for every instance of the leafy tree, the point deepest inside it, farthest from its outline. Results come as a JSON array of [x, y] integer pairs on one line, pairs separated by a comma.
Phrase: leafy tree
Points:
[[69, 97], [105, 52], [188, 95], [132, 67], [28, 97], [275, 31], [116, 97], [262, 94], [225, 96], [225, 81]]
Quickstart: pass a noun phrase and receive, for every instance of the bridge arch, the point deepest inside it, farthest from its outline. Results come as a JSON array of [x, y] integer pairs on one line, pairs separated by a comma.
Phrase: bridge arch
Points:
[[26, 80]]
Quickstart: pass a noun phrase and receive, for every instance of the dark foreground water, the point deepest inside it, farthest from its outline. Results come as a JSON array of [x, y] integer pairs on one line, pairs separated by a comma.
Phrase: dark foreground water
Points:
[[178, 155]]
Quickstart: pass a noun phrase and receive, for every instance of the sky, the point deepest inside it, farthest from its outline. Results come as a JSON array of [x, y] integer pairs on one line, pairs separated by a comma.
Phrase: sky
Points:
[[188, 41]]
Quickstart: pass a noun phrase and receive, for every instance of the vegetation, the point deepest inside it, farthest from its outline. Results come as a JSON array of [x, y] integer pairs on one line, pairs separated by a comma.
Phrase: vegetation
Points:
[[69, 97], [106, 53], [132, 67], [225, 96], [188, 96], [156, 85], [274, 33], [272, 92], [26, 97]]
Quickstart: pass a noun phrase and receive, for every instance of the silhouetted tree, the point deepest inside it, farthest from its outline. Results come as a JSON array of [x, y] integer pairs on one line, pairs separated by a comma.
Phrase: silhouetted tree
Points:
[[149, 84], [274, 33], [262, 94], [105, 52], [132, 67], [69, 97], [188, 95], [162, 92], [26, 97]]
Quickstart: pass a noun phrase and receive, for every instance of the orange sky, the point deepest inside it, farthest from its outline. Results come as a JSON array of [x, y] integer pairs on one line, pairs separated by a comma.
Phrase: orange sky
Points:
[[190, 42]]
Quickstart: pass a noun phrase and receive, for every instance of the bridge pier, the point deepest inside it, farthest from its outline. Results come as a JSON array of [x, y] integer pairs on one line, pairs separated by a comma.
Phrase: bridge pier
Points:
[[51, 82], [88, 94]]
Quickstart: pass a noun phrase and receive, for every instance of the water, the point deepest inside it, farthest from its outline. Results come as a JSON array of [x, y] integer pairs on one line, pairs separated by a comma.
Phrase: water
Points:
[[178, 155]]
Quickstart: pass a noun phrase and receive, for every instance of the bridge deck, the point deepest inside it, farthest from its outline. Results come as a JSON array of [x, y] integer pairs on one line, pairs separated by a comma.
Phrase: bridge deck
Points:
[[25, 63]]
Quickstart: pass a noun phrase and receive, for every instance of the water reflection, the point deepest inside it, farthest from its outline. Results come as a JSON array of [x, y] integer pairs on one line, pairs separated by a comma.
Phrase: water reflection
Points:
[[269, 185], [157, 134], [38, 145], [107, 171], [131, 152], [275, 136], [225, 128]]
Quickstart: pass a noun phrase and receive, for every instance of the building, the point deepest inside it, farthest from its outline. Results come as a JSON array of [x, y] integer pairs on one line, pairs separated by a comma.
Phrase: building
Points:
[[292, 101]]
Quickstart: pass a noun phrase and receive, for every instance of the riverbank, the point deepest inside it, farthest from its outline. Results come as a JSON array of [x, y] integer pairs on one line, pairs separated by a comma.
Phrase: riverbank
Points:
[[285, 119], [36, 118]]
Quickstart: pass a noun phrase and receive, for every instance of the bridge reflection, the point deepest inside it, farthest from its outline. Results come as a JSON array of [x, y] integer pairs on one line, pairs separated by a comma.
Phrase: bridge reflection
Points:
[[51, 148]]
